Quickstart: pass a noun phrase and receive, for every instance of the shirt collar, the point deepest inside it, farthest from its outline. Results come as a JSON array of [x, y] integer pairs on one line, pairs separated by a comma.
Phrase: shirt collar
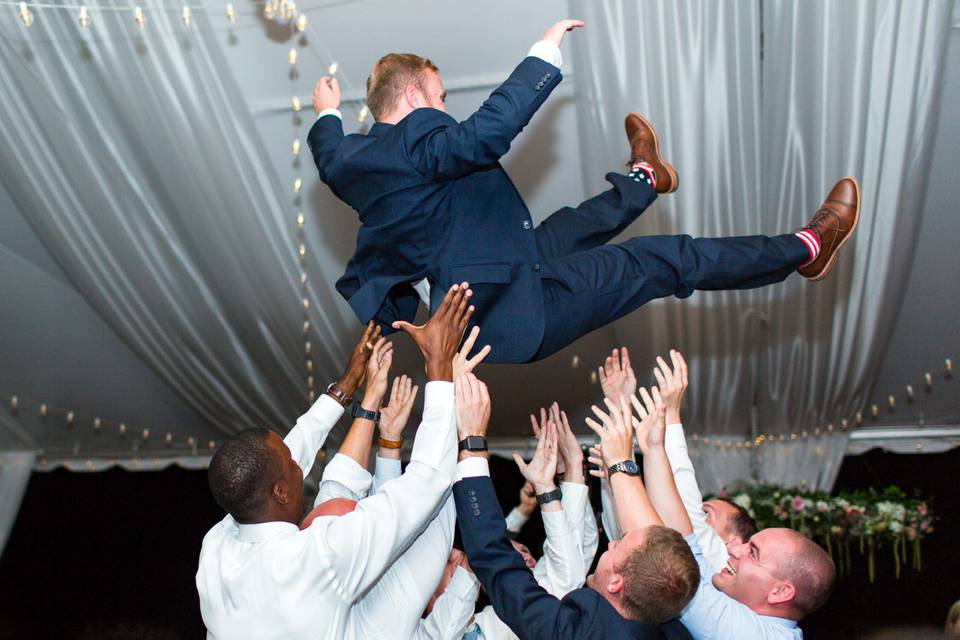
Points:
[[783, 622], [263, 530]]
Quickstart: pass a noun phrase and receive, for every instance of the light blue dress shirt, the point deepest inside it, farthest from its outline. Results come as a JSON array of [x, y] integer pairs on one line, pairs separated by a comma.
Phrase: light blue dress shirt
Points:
[[714, 615]]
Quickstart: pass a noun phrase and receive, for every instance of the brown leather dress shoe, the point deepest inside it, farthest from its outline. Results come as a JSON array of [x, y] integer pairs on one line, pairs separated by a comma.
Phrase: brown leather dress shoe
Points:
[[645, 146], [834, 222]]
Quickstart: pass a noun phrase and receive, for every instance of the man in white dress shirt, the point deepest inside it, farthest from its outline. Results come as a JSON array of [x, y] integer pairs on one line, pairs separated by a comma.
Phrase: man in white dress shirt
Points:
[[260, 576]]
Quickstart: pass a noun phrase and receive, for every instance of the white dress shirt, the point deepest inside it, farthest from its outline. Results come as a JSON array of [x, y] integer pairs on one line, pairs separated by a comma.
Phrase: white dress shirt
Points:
[[711, 544], [713, 615], [272, 580]]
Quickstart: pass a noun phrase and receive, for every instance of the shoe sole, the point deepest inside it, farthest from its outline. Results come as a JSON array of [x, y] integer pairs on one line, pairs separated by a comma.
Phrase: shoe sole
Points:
[[856, 220], [674, 180]]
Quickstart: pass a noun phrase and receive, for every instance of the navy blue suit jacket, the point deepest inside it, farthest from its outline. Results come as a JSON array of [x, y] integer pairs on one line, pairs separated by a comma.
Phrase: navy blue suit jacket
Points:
[[435, 202], [519, 601]]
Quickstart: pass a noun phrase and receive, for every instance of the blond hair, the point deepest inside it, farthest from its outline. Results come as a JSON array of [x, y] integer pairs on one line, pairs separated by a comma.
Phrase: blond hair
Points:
[[390, 76]]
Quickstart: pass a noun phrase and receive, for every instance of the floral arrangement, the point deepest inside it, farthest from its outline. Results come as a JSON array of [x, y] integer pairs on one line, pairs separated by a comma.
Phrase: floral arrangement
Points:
[[868, 520]]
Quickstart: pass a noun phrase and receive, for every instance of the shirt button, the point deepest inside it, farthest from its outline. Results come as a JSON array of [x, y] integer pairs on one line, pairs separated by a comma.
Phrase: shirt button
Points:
[[526, 224], [536, 266]]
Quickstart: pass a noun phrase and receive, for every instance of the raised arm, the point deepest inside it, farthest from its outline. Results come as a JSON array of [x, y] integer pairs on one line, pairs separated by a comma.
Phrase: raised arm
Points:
[[326, 134], [633, 506], [393, 419], [672, 388], [454, 607], [363, 543], [656, 467], [313, 427], [442, 149]]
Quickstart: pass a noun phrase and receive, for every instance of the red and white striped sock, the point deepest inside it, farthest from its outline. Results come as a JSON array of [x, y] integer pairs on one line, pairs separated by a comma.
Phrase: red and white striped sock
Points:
[[812, 240], [643, 171]]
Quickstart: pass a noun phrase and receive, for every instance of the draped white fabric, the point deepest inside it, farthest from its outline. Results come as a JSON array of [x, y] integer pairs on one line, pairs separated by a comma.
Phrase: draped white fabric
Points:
[[144, 176], [15, 468], [762, 106]]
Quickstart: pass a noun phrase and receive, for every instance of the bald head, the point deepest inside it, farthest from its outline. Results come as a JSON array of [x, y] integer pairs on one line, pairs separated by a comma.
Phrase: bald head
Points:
[[810, 570]]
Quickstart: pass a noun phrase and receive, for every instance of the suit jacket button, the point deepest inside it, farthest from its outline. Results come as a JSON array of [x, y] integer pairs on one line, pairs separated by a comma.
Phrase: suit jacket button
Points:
[[471, 492], [526, 224], [536, 266], [547, 76], [476, 512]]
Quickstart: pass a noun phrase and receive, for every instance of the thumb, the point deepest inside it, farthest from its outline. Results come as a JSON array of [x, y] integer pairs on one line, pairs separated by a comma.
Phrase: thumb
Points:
[[402, 325], [520, 463]]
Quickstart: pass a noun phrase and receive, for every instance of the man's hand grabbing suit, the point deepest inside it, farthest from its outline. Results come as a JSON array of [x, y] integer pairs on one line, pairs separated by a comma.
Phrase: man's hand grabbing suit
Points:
[[439, 337]]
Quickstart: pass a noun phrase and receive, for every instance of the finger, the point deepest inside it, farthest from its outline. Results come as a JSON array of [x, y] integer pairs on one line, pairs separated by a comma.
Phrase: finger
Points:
[[595, 460], [404, 326], [533, 423], [566, 423], [520, 463], [458, 389], [596, 427], [597, 473], [624, 359], [660, 379], [604, 418], [658, 401], [638, 407], [413, 394], [462, 305], [615, 356], [465, 318], [664, 369], [647, 400], [468, 343], [395, 391], [445, 305], [483, 353], [615, 414], [484, 393], [601, 375], [543, 417]]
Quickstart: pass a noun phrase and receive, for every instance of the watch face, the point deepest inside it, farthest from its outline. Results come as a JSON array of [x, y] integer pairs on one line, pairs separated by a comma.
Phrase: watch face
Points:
[[630, 466]]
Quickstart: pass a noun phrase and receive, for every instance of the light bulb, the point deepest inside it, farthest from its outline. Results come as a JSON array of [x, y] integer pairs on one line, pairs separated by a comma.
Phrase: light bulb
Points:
[[231, 14], [296, 103], [26, 17], [292, 56], [296, 147], [332, 69], [84, 17], [302, 22], [139, 18], [186, 17]]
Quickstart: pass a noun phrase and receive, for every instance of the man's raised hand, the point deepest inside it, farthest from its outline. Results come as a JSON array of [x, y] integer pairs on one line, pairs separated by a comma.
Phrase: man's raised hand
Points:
[[673, 384], [326, 94], [394, 416], [528, 499], [439, 337], [570, 451], [556, 32], [542, 468], [472, 405], [356, 367], [617, 379], [652, 424], [614, 429], [463, 364]]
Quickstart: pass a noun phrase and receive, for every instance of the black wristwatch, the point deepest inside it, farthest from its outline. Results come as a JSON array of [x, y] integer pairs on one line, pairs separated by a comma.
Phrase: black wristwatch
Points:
[[549, 496], [472, 443], [359, 412], [628, 467]]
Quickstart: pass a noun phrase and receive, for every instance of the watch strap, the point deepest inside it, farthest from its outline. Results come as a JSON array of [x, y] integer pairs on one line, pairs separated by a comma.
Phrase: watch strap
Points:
[[389, 444], [472, 443], [549, 496], [338, 394], [622, 467], [360, 412]]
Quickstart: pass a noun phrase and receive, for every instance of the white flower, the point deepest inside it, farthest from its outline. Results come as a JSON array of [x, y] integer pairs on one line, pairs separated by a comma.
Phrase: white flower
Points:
[[742, 500]]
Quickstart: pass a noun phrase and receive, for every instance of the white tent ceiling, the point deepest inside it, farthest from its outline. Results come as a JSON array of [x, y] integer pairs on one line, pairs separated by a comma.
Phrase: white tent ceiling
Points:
[[56, 349]]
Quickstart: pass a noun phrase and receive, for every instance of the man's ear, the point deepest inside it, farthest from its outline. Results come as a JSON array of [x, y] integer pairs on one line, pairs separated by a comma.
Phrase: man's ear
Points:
[[412, 96], [615, 584], [782, 593], [735, 541], [279, 493]]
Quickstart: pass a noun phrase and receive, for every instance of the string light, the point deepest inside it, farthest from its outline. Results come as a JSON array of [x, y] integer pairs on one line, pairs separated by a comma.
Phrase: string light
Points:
[[891, 402], [296, 147], [306, 326], [43, 410], [168, 439], [332, 69], [307, 347], [146, 434], [14, 401], [84, 17], [363, 113], [69, 418], [928, 379], [138, 18], [300, 220], [297, 184], [186, 17], [910, 391], [302, 250], [306, 303], [26, 17], [303, 278], [296, 103], [123, 429], [302, 22], [231, 14], [97, 424], [270, 9], [575, 362], [292, 56]]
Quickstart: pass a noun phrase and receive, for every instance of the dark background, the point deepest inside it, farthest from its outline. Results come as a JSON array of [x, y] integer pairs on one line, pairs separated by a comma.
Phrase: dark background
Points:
[[113, 554]]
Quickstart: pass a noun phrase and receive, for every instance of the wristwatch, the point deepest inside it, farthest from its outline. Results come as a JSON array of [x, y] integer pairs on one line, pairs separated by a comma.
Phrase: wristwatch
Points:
[[549, 496], [338, 394], [359, 412], [472, 443], [628, 467]]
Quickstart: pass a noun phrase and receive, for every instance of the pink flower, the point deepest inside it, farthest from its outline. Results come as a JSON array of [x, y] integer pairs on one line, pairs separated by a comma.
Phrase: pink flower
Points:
[[797, 503], [922, 508]]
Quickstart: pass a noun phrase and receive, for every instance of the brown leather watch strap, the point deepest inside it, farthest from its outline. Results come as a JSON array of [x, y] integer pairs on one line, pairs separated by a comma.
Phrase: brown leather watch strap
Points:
[[338, 394], [389, 444]]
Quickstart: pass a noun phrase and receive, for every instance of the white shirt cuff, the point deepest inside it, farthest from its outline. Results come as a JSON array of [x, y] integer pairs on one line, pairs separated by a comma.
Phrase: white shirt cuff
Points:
[[548, 52], [464, 585], [515, 520], [473, 468], [345, 470], [674, 437], [330, 112]]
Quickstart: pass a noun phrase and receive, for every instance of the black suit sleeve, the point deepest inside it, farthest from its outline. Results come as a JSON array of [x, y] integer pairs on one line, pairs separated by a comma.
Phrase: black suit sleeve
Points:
[[442, 149], [518, 600], [324, 138]]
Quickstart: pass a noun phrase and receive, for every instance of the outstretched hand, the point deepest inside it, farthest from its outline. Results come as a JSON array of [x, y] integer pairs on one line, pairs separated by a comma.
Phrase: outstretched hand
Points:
[[472, 406], [542, 468], [463, 364], [614, 429], [617, 379], [326, 94], [570, 452], [556, 32], [652, 424], [394, 416], [356, 367], [378, 370], [439, 337], [673, 384]]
